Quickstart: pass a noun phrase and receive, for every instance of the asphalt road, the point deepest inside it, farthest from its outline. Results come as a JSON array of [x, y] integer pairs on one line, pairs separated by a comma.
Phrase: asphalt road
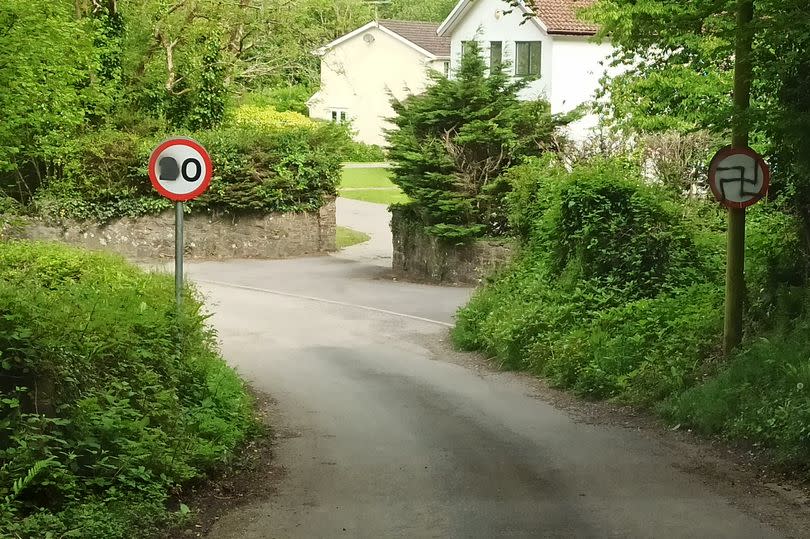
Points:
[[386, 434]]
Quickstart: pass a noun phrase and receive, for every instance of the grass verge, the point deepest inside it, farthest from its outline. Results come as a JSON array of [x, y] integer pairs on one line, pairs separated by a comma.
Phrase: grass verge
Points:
[[366, 177], [617, 293], [346, 237], [376, 196]]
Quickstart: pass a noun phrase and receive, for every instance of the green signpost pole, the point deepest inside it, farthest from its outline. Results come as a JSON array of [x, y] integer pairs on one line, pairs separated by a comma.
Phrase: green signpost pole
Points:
[[735, 276]]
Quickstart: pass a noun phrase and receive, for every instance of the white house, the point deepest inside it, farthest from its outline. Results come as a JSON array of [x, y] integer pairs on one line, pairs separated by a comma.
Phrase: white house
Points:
[[552, 45], [363, 69]]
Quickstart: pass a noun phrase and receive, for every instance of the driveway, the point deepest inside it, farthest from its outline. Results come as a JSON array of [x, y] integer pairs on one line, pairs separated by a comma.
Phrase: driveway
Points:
[[386, 432], [374, 220]]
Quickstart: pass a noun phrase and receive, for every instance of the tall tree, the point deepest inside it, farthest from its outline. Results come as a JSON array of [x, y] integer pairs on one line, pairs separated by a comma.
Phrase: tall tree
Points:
[[282, 35], [46, 72], [453, 142], [680, 58], [418, 10]]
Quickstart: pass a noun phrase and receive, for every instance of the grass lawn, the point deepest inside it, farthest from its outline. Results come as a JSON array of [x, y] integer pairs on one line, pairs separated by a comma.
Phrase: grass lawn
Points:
[[370, 185], [346, 237], [366, 177], [378, 196]]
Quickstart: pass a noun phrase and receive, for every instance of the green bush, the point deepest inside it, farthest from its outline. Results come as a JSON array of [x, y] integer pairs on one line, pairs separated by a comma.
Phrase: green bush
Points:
[[282, 99], [268, 118], [611, 228], [274, 170], [104, 178], [453, 142], [776, 268], [646, 350], [259, 168], [358, 152], [761, 396], [8, 205], [109, 398], [618, 293], [612, 295], [534, 188]]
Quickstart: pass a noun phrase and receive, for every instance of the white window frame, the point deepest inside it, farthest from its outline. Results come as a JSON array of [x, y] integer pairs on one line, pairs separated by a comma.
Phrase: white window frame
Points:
[[531, 72], [338, 115]]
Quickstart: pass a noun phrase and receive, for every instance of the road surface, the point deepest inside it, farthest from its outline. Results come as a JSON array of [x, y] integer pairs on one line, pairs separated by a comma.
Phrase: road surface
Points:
[[386, 433]]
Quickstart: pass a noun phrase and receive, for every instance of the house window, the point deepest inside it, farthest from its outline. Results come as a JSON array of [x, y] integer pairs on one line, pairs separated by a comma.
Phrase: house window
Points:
[[465, 46], [446, 69], [495, 56], [338, 116], [528, 57]]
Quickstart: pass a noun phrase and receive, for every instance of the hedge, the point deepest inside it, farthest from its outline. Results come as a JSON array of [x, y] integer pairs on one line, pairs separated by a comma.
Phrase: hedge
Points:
[[618, 293], [109, 398], [264, 162]]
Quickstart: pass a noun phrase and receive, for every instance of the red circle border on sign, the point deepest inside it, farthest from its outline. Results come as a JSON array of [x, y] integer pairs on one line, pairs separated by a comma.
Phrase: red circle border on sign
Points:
[[728, 151], [209, 169]]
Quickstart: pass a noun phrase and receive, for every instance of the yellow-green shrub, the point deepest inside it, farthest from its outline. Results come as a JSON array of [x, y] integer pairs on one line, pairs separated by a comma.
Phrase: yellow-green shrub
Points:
[[269, 118]]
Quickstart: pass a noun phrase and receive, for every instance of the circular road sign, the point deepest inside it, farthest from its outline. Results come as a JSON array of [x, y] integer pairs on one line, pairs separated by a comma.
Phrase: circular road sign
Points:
[[739, 177], [180, 169]]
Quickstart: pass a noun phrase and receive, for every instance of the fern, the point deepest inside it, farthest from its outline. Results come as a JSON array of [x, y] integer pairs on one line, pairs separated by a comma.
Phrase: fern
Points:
[[24, 482]]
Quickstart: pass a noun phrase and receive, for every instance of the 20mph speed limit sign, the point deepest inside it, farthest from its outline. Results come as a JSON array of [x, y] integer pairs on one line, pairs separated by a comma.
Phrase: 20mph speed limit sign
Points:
[[180, 169]]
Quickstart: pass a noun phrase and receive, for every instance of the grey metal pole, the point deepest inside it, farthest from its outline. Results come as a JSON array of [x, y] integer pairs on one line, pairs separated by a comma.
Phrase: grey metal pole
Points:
[[179, 245]]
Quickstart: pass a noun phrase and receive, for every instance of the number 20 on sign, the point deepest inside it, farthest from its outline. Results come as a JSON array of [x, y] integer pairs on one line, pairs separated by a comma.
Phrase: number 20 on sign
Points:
[[180, 169]]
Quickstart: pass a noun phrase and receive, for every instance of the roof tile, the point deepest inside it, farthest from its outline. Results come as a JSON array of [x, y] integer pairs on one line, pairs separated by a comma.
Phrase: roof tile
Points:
[[423, 34], [560, 16]]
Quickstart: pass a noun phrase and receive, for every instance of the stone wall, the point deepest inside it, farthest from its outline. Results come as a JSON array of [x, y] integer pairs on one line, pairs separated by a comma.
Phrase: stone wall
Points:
[[226, 236], [424, 258]]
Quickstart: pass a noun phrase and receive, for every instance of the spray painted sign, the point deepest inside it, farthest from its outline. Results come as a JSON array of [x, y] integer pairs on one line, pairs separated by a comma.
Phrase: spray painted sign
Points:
[[739, 177], [180, 169]]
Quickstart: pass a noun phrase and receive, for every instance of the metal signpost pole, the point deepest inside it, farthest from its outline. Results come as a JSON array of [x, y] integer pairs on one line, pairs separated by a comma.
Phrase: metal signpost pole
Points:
[[735, 266], [179, 245], [180, 169]]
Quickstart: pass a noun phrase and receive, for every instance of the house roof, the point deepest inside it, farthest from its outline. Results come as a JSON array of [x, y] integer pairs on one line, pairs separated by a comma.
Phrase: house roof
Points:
[[423, 34], [420, 36], [560, 16], [556, 17]]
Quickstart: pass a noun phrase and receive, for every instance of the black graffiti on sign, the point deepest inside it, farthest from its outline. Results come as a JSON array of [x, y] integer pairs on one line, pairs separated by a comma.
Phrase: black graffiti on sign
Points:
[[741, 181], [170, 171]]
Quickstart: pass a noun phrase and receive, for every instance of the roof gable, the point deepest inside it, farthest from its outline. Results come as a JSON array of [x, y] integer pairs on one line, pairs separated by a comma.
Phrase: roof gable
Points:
[[556, 17], [420, 36]]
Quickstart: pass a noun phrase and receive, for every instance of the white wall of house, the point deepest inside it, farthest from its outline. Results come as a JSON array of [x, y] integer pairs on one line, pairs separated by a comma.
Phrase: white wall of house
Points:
[[359, 75], [485, 21], [571, 66], [577, 66]]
